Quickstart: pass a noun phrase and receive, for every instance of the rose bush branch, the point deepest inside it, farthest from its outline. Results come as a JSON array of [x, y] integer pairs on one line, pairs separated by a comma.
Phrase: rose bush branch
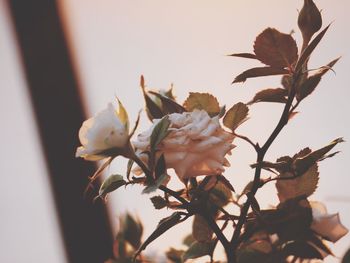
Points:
[[260, 158], [190, 139]]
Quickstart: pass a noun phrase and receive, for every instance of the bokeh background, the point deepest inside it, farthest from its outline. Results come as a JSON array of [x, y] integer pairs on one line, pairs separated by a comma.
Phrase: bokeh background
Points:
[[111, 44]]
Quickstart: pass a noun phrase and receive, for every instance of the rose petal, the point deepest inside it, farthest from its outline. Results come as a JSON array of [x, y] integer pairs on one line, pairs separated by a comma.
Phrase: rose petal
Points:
[[329, 227]]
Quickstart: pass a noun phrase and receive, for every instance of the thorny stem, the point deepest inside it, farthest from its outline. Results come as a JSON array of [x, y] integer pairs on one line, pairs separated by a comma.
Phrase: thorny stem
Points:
[[189, 207], [260, 157], [245, 138]]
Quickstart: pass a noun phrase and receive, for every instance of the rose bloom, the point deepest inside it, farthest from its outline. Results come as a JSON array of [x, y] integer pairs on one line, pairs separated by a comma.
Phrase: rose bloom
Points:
[[196, 144], [326, 225], [107, 130]]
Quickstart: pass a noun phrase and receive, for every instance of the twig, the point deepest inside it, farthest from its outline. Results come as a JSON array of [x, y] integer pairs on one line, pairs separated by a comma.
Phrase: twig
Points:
[[245, 138]]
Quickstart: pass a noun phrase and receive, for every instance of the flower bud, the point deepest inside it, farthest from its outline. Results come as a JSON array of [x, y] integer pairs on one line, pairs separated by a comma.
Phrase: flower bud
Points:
[[107, 130], [309, 20]]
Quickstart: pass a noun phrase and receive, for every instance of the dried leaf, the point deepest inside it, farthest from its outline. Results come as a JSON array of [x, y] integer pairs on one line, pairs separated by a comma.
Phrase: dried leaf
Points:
[[158, 202], [270, 95], [276, 49], [302, 164], [202, 101], [201, 231], [304, 185], [259, 72], [236, 116]]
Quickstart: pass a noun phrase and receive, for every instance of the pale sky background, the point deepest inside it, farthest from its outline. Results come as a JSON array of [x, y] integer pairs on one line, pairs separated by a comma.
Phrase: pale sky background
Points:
[[185, 43]]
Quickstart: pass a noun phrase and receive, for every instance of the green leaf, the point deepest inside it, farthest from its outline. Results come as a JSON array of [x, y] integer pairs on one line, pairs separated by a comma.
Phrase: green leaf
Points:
[[188, 240], [201, 231], [160, 166], [346, 258], [202, 101], [236, 116], [163, 226], [270, 95], [276, 49], [113, 182], [310, 84], [160, 131], [304, 163], [153, 187], [153, 110], [303, 185], [158, 202], [168, 105], [132, 230], [259, 72], [197, 250], [220, 194], [309, 49]]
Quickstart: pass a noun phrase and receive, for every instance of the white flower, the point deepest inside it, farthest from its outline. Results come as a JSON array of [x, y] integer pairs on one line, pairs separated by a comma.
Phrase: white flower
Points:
[[326, 225], [196, 144], [107, 130]]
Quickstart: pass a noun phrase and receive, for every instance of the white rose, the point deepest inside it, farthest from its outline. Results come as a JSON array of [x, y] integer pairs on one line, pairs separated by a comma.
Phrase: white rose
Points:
[[326, 225], [196, 144], [107, 130]]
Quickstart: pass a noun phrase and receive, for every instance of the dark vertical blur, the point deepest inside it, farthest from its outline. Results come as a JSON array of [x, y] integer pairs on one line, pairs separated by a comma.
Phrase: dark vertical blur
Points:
[[58, 109]]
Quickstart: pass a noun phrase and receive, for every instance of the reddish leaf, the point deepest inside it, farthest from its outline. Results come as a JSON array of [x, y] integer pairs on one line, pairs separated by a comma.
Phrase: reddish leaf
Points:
[[270, 95], [310, 84], [244, 55], [309, 49], [259, 72], [276, 49]]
